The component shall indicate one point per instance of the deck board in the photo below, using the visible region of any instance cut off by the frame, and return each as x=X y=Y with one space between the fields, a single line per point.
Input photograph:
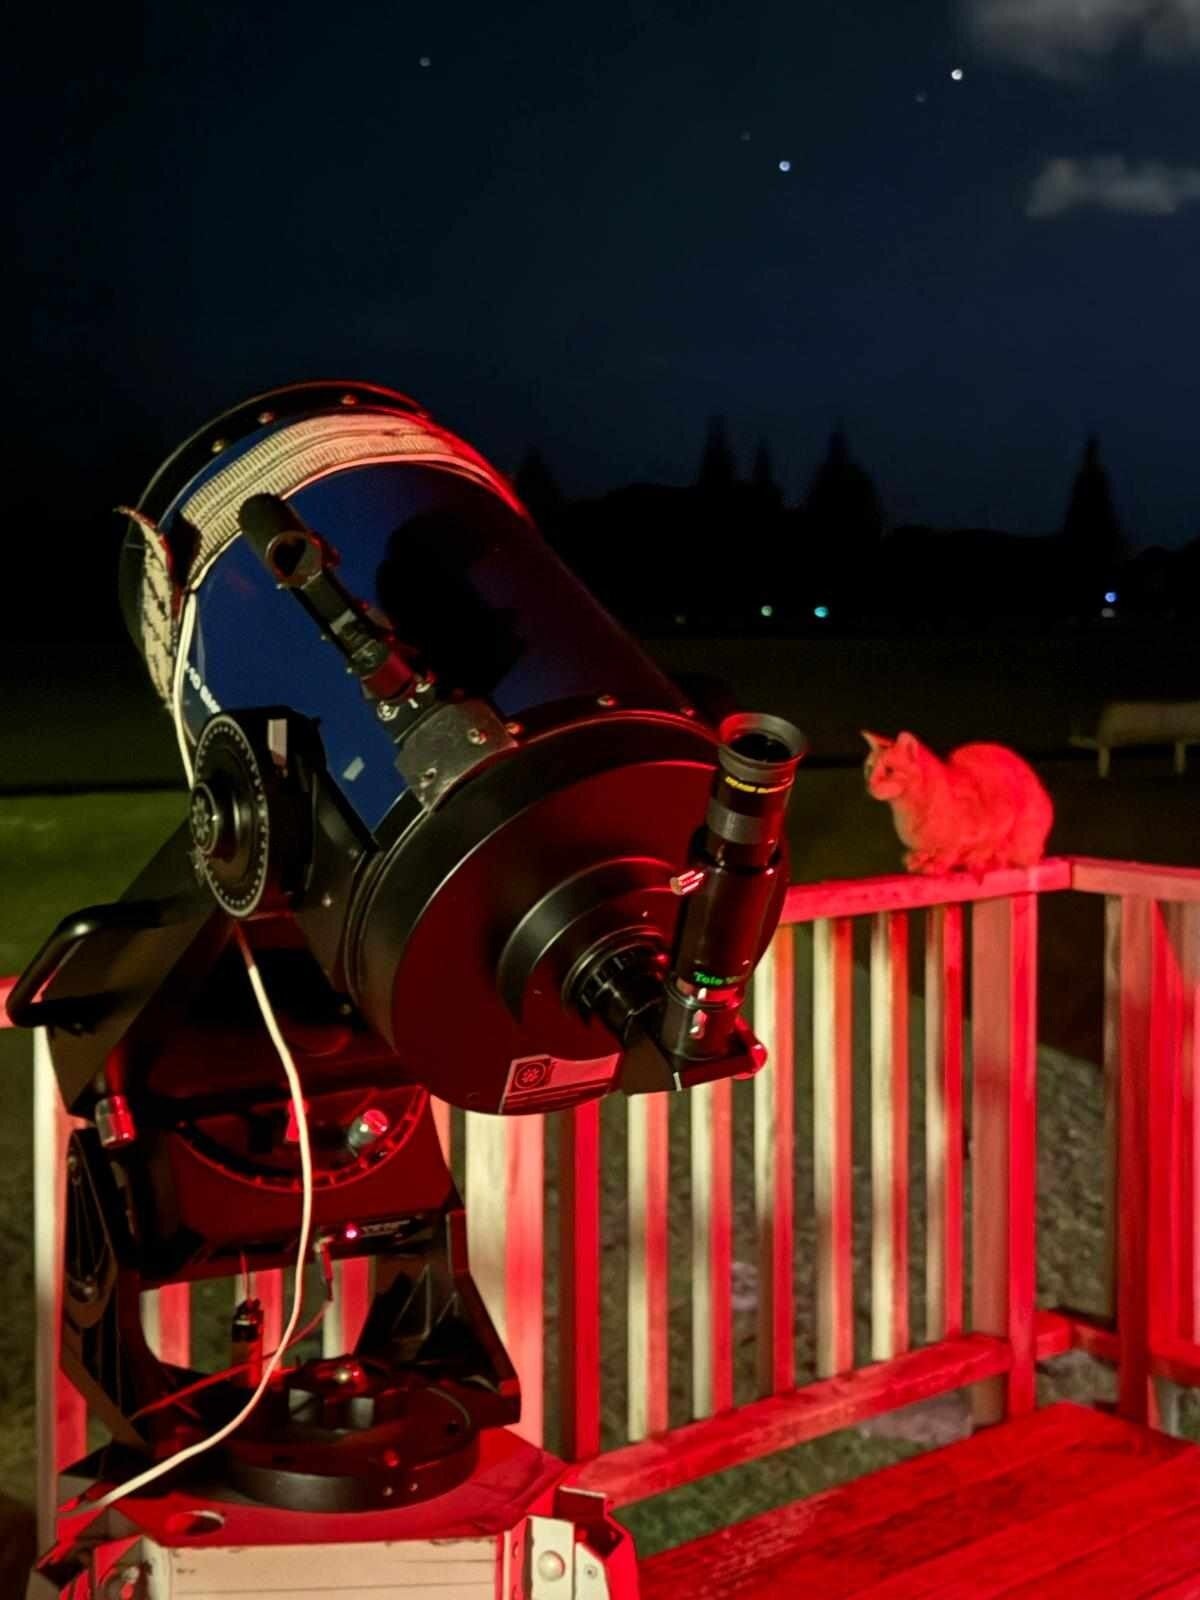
x=856 y=1505
x=1167 y=1552
x=987 y=1517
x=1034 y=1550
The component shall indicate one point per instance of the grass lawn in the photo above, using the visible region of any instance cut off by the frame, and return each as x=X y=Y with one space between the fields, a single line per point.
x=57 y=853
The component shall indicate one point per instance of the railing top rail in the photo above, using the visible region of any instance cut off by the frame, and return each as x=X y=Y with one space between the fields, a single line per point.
x=1146 y=879
x=761 y=1427
x=852 y=897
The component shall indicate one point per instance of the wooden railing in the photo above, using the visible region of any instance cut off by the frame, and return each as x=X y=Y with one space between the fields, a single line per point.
x=997 y=1355
x=978 y=1072
x=1151 y=1331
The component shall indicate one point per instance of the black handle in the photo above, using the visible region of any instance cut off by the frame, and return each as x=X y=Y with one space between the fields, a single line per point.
x=24 y=1009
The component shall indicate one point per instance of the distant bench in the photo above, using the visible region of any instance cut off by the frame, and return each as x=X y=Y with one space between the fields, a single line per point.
x=1128 y=722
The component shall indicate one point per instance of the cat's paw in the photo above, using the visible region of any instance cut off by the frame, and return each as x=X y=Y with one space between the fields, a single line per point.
x=930 y=863
x=979 y=863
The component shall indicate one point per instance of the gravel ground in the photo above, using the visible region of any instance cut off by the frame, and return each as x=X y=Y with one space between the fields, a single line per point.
x=59 y=852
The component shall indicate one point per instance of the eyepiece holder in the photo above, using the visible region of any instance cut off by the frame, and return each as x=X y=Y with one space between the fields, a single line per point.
x=679 y=1016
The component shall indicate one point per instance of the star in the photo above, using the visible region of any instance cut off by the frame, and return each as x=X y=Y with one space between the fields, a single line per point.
x=785 y=166
x=957 y=74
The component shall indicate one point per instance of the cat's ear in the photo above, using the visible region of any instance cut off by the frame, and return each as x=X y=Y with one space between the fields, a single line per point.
x=906 y=744
x=875 y=740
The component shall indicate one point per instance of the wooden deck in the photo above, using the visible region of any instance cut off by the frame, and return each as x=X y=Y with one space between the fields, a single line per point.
x=1064 y=1502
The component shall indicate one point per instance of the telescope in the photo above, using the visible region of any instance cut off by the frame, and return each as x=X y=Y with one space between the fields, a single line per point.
x=471 y=842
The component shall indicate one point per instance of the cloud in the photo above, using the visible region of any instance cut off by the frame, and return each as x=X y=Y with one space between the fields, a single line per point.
x=1110 y=183
x=1063 y=38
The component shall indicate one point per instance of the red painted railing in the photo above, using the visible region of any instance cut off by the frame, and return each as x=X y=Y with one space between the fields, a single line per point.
x=979 y=1057
x=997 y=1355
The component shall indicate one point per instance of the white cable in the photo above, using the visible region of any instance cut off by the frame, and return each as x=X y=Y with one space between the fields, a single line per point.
x=183 y=649
x=306 y=1180
x=271 y=1366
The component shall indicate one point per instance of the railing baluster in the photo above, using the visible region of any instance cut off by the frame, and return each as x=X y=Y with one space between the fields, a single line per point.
x=1112 y=1110
x=711 y=1108
x=1166 y=1151
x=505 y=1223
x=267 y=1289
x=889 y=1135
x=649 y=1289
x=167 y=1323
x=833 y=1021
x=1189 y=1122
x=1143 y=1044
x=441 y=1121
x=774 y=1155
x=944 y=1123
x=1003 y=1142
x=61 y=1413
x=579 y=1280
x=352 y=1291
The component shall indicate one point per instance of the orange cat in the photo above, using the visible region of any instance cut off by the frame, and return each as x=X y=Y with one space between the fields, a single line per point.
x=983 y=807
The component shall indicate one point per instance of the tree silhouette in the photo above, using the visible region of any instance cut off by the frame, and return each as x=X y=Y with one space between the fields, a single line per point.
x=766 y=490
x=1091 y=540
x=718 y=469
x=843 y=520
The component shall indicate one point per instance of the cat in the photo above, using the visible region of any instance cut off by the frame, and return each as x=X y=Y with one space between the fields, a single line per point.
x=981 y=808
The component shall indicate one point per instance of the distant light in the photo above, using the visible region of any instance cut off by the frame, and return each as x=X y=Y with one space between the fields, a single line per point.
x=746 y=137
x=680 y=620
x=766 y=611
x=1108 y=611
x=920 y=97
x=351 y=1232
x=785 y=166
x=957 y=74
x=425 y=61
x=821 y=612
x=1111 y=597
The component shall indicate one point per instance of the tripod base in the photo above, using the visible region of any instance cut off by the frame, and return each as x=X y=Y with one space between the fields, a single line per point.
x=512 y=1531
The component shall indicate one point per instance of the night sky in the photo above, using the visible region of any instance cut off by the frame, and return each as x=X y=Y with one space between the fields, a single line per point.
x=570 y=225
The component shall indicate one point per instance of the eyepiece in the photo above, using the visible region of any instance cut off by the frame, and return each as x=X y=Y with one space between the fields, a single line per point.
x=756 y=767
x=760 y=749
x=739 y=862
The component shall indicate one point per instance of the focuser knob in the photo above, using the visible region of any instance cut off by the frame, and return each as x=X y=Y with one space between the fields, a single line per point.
x=251 y=808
